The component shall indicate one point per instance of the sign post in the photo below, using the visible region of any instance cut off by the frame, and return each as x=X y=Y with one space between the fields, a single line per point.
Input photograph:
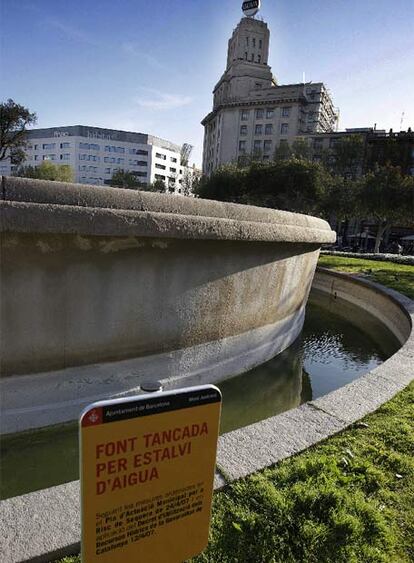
x=147 y=470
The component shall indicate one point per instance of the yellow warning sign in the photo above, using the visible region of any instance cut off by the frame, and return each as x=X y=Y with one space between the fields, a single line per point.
x=147 y=471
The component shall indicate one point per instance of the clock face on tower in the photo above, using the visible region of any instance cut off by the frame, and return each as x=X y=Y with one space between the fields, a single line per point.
x=251 y=7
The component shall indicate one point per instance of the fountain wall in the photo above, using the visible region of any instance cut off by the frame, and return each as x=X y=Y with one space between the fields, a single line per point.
x=92 y=275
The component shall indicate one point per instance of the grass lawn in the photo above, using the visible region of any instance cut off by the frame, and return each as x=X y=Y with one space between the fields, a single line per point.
x=397 y=276
x=349 y=499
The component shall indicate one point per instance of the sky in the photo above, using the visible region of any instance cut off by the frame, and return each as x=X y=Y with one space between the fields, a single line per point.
x=150 y=66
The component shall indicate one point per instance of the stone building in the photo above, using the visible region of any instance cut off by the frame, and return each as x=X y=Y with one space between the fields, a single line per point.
x=252 y=113
x=397 y=148
x=95 y=154
x=378 y=147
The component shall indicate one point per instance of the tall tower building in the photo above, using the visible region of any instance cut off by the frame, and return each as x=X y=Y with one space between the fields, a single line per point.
x=247 y=68
x=251 y=113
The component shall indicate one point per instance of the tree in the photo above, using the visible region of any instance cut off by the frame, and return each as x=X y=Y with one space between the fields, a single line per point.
x=225 y=184
x=394 y=149
x=126 y=180
x=157 y=186
x=190 y=181
x=293 y=185
x=388 y=197
x=342 y=203
x=47 y=171
x=185 y=154
x=14 y=118
x=282 y=152
x=347 y=156
x=301 y=149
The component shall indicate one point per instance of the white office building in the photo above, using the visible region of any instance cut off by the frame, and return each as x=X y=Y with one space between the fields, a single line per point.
x=95 y=154
x=252 y=113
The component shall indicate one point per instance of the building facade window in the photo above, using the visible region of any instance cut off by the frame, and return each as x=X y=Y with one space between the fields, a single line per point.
x=269 y=129
x=270 y=112
x=160 y=166
x=317 y=144
x=65 y=145
x=259 y=59
x=258 y=130
x=107 y=170
x=260 y=43
x=243 y=130
x=65 y=157
x=259 y=113
x=286 y=112
x=48 y=146
x=173 y=170
x=257 y=147
x=142 y=163
x=267 y=146
x=173 y=159
x=244 y=114
x=254 y=41
x=242 y=146
x=142 y=152
x=284 y=128
x=162 y=156
x=49 y=157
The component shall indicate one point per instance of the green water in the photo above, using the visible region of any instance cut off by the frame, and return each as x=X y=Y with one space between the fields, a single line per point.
x=338 y=344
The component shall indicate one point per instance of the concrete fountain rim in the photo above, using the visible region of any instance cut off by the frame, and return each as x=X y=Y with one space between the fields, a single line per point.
x=39 y=206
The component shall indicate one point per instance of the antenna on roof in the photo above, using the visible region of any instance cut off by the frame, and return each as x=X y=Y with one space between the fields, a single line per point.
x=402 y=119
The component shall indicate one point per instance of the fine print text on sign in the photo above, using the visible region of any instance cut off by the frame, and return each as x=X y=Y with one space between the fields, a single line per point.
x=147 y=472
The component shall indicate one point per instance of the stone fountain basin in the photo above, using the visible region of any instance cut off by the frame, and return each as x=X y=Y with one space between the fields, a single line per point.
x=32 y=528
x=104 y=287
